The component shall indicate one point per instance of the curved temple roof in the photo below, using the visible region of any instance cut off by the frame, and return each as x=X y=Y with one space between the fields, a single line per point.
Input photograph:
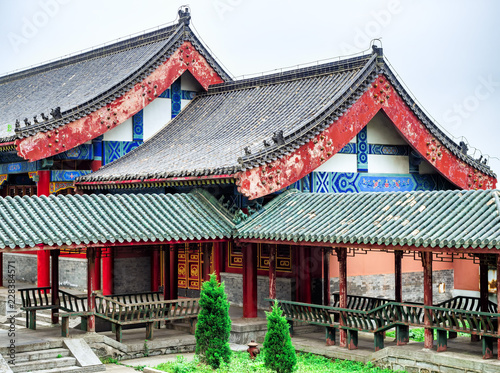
x=415 y=219
x=83 y=83
x=240 y=125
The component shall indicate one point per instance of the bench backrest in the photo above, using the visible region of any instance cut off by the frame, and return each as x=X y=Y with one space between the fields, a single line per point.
x=35 y=297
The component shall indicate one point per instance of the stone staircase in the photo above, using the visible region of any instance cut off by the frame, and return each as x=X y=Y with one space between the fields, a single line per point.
x=58 y=356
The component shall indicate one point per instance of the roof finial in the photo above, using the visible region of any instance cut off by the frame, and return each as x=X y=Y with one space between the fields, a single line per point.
x=184 y=15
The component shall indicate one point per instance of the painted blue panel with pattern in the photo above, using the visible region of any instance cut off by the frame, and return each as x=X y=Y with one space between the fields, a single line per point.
x=138 y=126
x=84 y=151
x=350 y=148
x=388 y=149
x=67 y=175
x=176 y=97
x=350 y=182
x=19 y=167
x=115 y=149
x=165 y=93
x=188 y=95
x=362 y=150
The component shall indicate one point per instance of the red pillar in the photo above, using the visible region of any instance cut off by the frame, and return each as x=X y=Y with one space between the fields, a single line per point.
x=166 y=273
x=95 y=165
x=155 y=270
x=107 y=271
x=250 y=280
x=272 y=271
x=217 y=251
x=1 y=269
x=90 y=288
x=207 y=253
x=97 y=270
x=427 y=264
x=498 y=303
x=326 y=277
x=305 y=274
x=43 y=256
x=55 y=284
x=174 y=269
x=342 y=258
x=483 y=283
x=398 y=274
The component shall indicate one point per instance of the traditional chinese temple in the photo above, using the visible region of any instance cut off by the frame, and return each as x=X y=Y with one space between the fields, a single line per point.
x=266 y=181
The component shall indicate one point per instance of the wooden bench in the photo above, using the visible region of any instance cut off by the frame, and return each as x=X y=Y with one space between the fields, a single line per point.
x=35 y=299
x=395 y=315
x=121 y=313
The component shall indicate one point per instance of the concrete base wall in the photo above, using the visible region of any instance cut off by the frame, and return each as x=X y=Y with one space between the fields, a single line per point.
x=234 y=285
x=383 y=285
x=130 y=274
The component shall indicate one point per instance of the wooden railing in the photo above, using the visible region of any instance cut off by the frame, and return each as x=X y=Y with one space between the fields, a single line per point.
x=34 y=299
x=120 y=313
x=393 y=314
x=154 y=296
x=72 y=303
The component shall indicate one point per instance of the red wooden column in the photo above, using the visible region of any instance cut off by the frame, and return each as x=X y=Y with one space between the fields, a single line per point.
x=1 y=269
x=249 y=280
x=173 y=272
x=166 y=273
x=207 y=254
x=43 y=256
x=97 y=270
x=272 y=271
x=305 y=274
x=90 y=288
x=55 y=284
x=342 y=258
x=483 y=283
x=326 y=277
x=498 y=303
x=427 y=266
x=217 y=251
x=155 y=270
x=107 y=271
x=398 y=276
x=483 y=301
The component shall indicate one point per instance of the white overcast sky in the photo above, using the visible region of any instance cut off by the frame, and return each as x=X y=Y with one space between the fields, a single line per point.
x=447 y=51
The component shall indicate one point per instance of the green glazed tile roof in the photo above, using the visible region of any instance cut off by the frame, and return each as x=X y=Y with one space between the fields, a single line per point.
x=444 y=219
x=98 y=218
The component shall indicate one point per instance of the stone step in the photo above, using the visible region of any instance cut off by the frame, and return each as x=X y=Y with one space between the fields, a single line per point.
x=35 y=366
x=27 y=347
x=53 y=353
x=61 y=370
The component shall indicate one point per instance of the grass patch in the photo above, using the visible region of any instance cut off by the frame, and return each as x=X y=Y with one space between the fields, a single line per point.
x=417 y=334
x=240 y=362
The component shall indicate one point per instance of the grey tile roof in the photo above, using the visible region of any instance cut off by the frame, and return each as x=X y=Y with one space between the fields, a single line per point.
x=98 y=218
x=209 y=137
x=85 y=82
x=445 y=219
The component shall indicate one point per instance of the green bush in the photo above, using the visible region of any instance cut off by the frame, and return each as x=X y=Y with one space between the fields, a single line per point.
x=279 y=353
x=214 y=324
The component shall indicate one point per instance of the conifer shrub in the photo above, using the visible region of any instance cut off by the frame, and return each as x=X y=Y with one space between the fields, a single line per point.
x=214 y=325
x=279 y=354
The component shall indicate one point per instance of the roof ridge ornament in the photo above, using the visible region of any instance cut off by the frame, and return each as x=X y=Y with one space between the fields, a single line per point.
x=184 y=15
